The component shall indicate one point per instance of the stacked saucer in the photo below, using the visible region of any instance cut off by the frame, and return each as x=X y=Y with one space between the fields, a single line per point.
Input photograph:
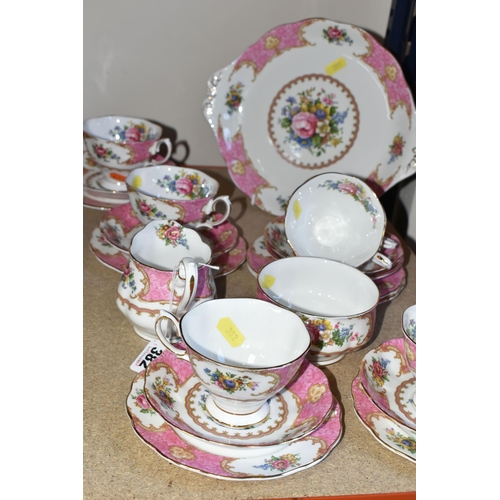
x=95 y=195
x=167 y=409
x=384 y=398
x=273 y=245
x=110 y=242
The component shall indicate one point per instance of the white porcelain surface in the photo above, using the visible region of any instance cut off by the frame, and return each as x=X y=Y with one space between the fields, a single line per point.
x=228 y=344
x=337 y=217
x=389 y=382
x=308 y=97
x=163 y=244
x=272 y=462
x=176 y=393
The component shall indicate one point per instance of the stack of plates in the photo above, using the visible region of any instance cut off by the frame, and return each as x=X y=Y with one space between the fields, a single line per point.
x=94 y=195
x=383 y=397
x=273 y=245
x=167 y=409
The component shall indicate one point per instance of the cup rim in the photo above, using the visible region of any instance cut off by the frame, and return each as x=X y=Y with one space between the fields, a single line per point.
x=87 y=121
x=245 y=368
x=133 y=173
x=312 y=315
x=354 y=179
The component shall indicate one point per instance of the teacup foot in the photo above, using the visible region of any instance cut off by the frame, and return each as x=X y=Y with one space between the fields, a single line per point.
x=323 y=361
x=233 y=419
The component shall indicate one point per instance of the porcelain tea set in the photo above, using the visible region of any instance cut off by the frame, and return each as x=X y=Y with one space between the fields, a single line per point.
x=240 y=382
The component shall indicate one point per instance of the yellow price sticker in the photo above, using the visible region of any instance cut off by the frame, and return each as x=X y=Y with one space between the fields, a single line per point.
x=335 y=66
x=268 y=281
x=297 y=209
x=136 y=182
x=230 y=332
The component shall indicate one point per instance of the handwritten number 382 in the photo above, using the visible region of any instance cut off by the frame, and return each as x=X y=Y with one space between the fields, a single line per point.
x=153 y=354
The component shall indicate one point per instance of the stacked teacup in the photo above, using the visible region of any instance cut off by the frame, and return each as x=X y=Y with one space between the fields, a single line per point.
x=330 y=246
x=119 y=144
x=170 y=257
x=235 y=393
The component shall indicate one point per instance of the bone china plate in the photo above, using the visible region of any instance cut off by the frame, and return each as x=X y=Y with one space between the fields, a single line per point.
x=294 y=457
x=310 y=97
x=175 y=392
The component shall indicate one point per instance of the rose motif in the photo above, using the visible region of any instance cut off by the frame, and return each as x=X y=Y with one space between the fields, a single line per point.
x=144 y=207
x=184 y=185
x=173 y=233
x=379 y=373
x=334 y=33
x=142 y=401
x=100 y=151
x=304 y=124
x=281 y=464
x=133 y=134
x=348 y=188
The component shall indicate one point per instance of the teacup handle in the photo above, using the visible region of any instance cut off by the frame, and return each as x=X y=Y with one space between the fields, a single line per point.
x=210 y=208
x=190 y=268
x=158 y=144
x=382 y=260
x=389 y=243
x=162 y=335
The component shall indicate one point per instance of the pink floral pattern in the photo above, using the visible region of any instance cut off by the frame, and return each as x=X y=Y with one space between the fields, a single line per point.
x=273 y=44
x=389 y=73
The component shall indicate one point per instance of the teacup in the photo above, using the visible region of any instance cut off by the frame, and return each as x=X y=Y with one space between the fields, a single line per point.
x=243 y=350
x=118 y=144
x=176 y=193
x=336 y=302
x=338 y=217
x=168 y=268
x=409 y=327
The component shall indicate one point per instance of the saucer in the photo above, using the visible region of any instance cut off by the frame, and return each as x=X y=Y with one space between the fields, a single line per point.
x=388 y=381
x=176 y=393
x=392 y=435
x=106 y=253
x=97 y=204
x=258 y=255
x=114 y=258
x=392 y=285
x=231 y=260
x=120 y=225
x=271 y=463
x=275 y=238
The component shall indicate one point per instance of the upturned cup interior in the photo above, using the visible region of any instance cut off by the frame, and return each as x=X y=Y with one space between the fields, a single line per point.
x=335 y=216
x=245 y=333
x=317 y=286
